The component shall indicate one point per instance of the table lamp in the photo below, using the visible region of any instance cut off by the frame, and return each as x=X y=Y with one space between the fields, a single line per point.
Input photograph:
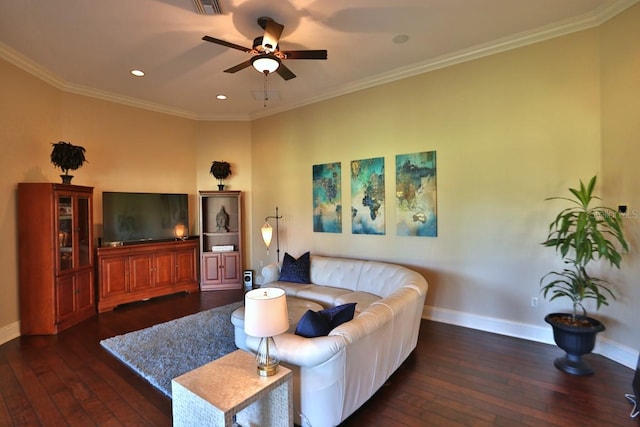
x=265 y=315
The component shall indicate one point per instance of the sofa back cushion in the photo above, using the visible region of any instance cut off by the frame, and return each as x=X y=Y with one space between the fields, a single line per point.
x=383 y=279
x=337 y=272
x=374 y=277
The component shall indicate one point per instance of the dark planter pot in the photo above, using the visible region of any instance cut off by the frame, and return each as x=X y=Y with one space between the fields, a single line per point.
x=220 y=187
x=66 y=179
x=575 y=341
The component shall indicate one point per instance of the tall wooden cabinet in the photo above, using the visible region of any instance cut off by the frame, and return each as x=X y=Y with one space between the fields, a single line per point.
x=55 y=252
x=221 y=253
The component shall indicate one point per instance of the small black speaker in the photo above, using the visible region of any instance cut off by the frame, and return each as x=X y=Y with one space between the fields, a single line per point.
x=247 y=278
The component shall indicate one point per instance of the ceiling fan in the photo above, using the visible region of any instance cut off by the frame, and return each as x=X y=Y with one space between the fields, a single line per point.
x=266 y=55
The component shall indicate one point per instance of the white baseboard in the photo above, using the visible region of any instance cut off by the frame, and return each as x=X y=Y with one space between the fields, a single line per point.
x=9 y=332
x=607 y=348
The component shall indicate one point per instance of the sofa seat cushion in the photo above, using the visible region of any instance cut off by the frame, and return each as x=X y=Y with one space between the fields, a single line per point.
x=328 y=296
x=291 y=289
x=296 y=308
x=325 y=295
x=362 y=299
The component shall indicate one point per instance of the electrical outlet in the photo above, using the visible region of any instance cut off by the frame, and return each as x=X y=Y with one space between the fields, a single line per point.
x=534 y=301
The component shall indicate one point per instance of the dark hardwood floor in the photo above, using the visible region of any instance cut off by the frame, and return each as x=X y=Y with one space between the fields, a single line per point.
x=456 y=377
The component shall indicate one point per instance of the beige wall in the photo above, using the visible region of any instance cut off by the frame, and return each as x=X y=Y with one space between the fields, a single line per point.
x=620 y=58
x=128 y=149
x=499 y=126
x=509 y=130
x=231 y=142
x=29 y=119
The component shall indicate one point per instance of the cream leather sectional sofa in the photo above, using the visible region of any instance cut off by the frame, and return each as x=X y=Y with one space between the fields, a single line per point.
x=335 y=374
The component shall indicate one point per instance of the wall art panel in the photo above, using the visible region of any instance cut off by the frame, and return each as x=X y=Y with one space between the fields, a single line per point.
x=367 y=196
x=327 y=198
x=416 y=191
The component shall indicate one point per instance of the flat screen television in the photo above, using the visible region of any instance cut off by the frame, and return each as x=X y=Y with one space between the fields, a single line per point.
x=140 y=217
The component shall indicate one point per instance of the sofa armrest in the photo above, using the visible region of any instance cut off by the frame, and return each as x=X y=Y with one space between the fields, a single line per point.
x=300 y=351
x=270 y=273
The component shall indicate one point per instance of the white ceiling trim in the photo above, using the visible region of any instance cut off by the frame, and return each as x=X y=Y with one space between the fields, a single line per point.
x=583 y=22
x=47 y=76
x=515 y=41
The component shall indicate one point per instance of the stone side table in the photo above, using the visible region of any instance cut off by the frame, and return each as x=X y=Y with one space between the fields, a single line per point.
x=230 y=386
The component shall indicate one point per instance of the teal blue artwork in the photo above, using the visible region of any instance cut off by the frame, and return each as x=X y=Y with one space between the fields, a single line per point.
x=416 y=191
x=327 y=198
x=367 y=196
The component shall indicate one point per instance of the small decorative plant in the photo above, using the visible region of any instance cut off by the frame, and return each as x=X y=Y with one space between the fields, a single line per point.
x=583 y=233
x=220 y=170
x=67 y=156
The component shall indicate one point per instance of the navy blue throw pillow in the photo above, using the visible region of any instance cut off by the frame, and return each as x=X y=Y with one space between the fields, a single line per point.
x=312 y=324
x=296 y=270
x=319 y=323
x=339 y=314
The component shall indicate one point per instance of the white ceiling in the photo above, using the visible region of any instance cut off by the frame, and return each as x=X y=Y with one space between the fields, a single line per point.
x=88 y=47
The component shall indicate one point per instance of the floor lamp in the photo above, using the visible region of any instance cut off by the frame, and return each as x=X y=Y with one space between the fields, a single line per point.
x=267 y=233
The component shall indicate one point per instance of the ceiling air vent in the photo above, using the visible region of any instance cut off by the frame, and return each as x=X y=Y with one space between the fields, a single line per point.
x=208 y=7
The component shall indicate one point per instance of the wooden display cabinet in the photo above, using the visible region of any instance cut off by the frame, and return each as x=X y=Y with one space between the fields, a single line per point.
x=55 y=247
x=220 y=240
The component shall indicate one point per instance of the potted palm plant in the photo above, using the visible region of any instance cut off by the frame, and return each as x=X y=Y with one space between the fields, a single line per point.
x=581 y=234
x=220 y=170
x=67 y=157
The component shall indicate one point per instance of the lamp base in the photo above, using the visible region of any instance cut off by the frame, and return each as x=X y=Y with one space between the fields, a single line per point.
x=267 y=370
x=266 y=358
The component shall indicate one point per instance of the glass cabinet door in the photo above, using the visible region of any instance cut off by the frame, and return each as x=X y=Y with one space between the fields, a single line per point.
x=74 y=231
x=83 y=227
x=65 y=232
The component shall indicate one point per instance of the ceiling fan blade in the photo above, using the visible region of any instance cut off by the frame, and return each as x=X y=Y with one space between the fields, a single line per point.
x=304 y=54
x=285 y=73
x=272 y=33
x=227 y=44
x=238 y=67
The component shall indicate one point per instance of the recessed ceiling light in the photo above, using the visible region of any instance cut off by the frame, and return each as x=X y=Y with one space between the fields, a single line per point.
x=221 y=97
x=400 y=38
x=137 y=73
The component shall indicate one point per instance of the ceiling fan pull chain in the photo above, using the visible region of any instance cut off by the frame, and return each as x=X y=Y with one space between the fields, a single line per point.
x=266 y=94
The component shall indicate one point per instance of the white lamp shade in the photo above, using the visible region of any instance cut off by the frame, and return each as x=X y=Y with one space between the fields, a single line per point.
x=265 y=63
x=265 y=312
x=267 y=233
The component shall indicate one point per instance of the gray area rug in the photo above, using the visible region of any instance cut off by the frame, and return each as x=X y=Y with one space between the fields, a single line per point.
x=168 y=350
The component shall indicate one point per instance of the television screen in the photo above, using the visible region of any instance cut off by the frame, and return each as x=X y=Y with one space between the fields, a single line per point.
x=136 y=217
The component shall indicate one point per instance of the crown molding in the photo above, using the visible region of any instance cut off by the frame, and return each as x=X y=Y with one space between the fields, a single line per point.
x=52 y=79
x=558 y=29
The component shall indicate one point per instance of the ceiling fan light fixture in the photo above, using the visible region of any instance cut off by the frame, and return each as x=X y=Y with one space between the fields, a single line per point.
x=266 y=63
